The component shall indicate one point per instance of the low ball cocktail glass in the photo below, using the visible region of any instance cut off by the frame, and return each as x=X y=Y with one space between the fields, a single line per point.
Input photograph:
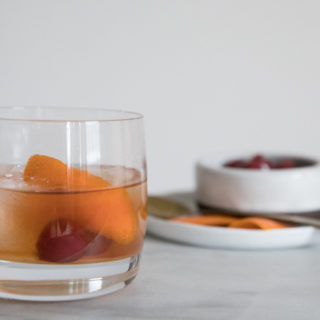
x=72 y=201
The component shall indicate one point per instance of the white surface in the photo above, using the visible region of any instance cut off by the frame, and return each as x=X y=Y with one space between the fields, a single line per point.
x=207 y=74
x=294 y=190
x=227 y=238
x=182 y=282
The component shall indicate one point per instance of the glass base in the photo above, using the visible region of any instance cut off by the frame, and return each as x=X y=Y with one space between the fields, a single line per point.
x=36 y=282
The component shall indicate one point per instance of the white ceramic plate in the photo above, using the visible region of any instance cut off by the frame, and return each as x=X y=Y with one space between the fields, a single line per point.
x=225 y=238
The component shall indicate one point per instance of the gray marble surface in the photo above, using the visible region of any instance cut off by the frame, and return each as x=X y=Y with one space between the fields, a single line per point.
x=181 y=282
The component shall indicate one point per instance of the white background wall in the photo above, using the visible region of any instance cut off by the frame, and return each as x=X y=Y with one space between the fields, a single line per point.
x=208 y=75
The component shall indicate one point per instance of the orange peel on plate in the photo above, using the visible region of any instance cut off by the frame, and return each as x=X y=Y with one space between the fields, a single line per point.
x=207 y=220
x=232 y=222
x=257 y=223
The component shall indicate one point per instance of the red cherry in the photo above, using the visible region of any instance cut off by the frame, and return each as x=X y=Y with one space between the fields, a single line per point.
x=259 y=162
x=61 y=241
x=286 y=164
x=236 y=164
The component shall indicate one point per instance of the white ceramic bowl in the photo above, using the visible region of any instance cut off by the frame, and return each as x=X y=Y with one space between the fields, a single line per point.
x=295 y=190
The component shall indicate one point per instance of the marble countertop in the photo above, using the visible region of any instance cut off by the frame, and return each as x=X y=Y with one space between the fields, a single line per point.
x=181 y=282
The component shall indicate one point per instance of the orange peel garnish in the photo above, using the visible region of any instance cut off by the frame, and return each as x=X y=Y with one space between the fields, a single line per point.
x=108 y=211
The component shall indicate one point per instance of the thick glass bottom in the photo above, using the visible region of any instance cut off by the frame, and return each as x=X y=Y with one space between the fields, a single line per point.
x=36 y=282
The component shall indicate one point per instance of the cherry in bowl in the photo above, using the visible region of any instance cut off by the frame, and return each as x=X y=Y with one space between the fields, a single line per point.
x=261 y=162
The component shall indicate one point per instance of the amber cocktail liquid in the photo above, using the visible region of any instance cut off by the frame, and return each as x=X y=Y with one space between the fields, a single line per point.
x=61 y=226
x=69 y=230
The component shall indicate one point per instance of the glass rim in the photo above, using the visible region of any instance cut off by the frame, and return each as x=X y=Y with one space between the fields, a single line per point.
x=121 y=114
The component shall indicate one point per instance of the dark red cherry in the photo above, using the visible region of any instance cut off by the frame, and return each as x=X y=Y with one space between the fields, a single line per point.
x=286 y=164
x=236 y=164
x=61 y=241
x=259 y=162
